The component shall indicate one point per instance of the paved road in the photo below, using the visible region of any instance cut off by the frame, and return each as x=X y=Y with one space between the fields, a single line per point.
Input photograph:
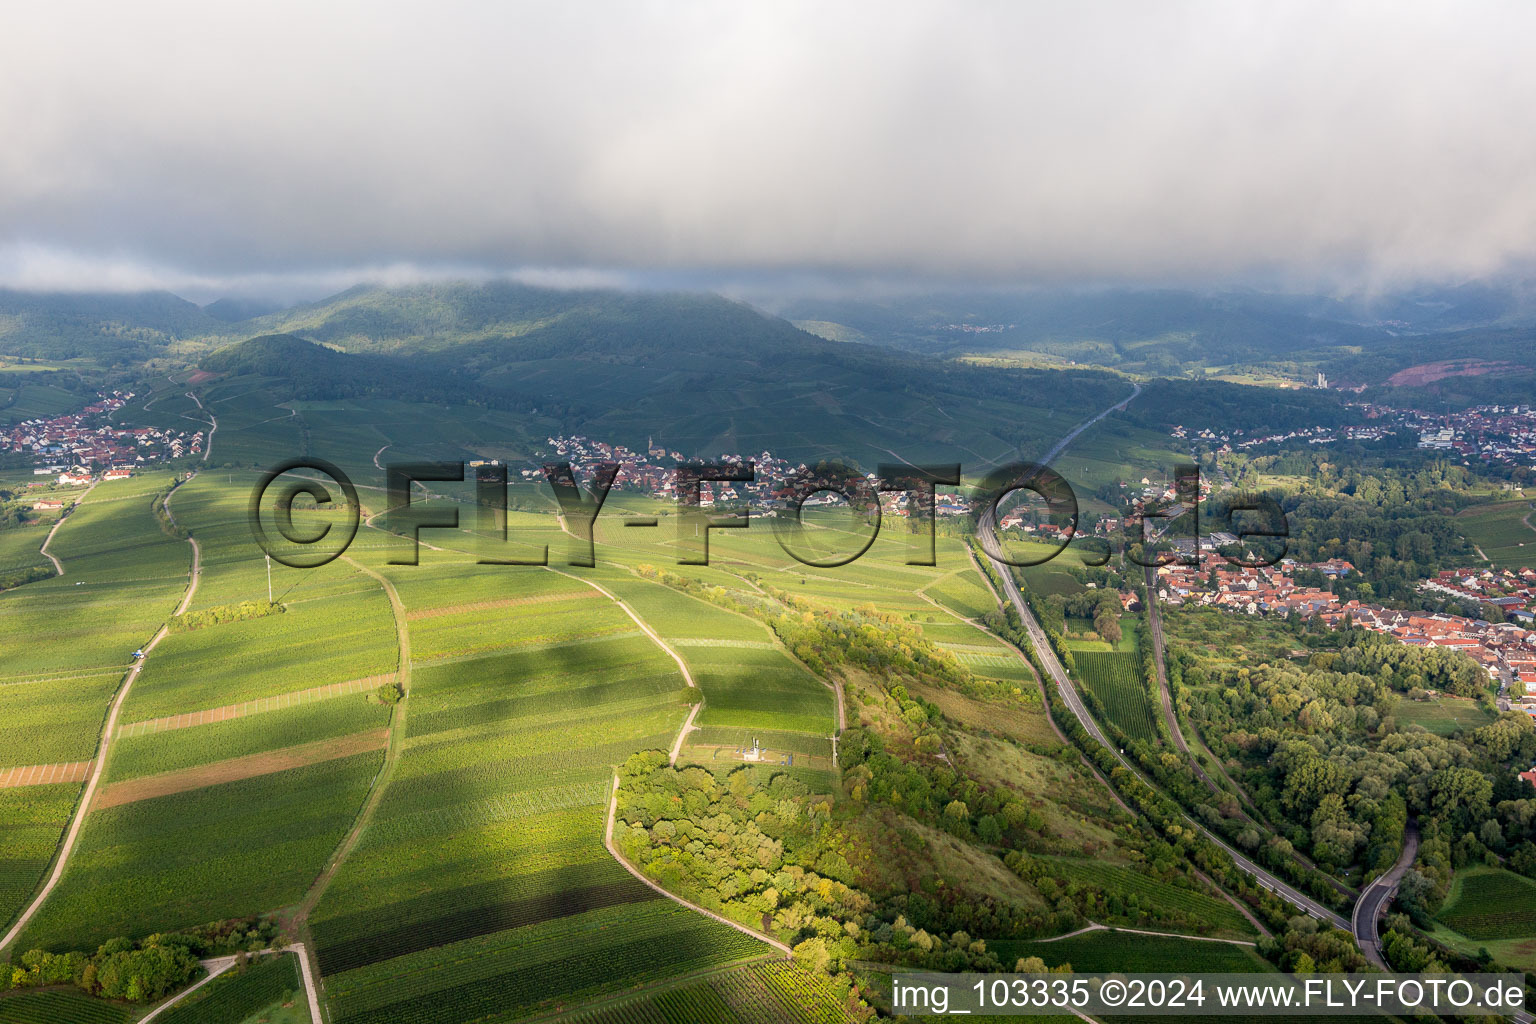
x=1366 y=920
x=986 y=534
x=1155 y=621
x=1042 y=646
x=1265 y=879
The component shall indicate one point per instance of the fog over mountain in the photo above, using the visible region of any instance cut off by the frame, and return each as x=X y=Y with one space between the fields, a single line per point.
x=290 y=150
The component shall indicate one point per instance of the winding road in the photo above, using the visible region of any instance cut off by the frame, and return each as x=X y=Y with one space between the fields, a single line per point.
x=1364 y=924
x=1159 y=660
x=682 y=666
x=1366 y=920
x=213 y=425
x=987 y=534
x=58 y=566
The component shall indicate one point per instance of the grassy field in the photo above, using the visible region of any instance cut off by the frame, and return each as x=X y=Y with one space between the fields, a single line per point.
x=1442 y=715
x=1019 y=719
x=130 y=576
x=20 y=547
x=1201 y=912
x=1502 y=532
x=64 y=650
x=346 y=636
x=22 y=399
x=481 y=866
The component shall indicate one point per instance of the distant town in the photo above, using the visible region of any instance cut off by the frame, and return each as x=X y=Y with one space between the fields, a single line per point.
x=77 y=447
x=655 y=474
x=1492 y=434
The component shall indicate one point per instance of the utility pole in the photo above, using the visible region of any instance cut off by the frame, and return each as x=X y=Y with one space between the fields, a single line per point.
x=269 y=579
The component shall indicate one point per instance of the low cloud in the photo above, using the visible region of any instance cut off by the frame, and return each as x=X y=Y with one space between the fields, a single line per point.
x=200 y=146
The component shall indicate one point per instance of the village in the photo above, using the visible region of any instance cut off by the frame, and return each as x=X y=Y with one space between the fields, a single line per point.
x=1491 y=434
x=655 y=474
x=1505 y=650
x=76 y=447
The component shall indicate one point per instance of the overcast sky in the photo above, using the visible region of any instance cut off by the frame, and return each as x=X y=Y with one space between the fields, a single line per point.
x=207 y=146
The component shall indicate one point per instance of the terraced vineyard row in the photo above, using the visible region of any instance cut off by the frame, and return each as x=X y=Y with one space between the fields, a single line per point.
x=441 y=918
x=32 y=821
x=506 y=975
x=59 y=1007
x=240 y=994
x=228 y=850
x=1114 y=677
x=481 y=889
x=771 y=992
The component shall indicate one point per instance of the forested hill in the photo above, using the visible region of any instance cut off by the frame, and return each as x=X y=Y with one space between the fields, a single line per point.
x=698 y=373
x=109 y=328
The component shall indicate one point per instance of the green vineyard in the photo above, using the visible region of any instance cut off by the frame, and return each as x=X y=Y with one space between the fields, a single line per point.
x=771 y=992
x=59 y=1007
x=238 y=995
x=1114 y=677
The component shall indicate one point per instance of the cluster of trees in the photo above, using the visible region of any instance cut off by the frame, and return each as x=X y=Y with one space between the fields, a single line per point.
x=1306 y=947
x=766 y=855
x=773 y=855
x=930 y=791
x=1224 y=407
x=13 y=511
x=826 y=639
x=1102 y=606
x=226 y=613
x=1393 y=523
x=138 y=972
x=1321 y=751
x=142 y=970
x=1185 y=842
x=19 y=577
x=1221 y=813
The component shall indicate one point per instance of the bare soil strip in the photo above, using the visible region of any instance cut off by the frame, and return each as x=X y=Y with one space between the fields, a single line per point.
x=235 y=769
x=255 y=707
x=44 y=774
